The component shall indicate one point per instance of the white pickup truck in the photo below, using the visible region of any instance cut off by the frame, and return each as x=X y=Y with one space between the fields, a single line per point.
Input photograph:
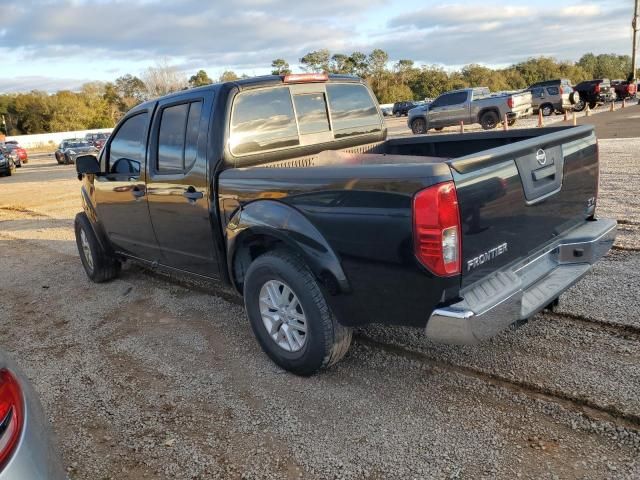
x=470 y=105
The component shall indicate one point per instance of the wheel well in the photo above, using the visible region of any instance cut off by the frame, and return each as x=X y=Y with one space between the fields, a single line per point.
x=254 y=246
x=489 y=110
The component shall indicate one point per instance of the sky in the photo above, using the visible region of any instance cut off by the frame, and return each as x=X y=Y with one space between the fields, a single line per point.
x=61 y=44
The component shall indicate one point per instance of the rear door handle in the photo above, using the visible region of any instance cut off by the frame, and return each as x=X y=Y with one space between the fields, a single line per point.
x=192 y=194
x=138 y=192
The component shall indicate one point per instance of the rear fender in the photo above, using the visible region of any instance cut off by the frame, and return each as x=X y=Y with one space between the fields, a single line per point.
x=262 y=223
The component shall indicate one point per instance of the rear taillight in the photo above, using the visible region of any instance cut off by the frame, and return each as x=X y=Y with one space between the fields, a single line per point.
x=11 y=415
x=561 y=91
x=510 y=102
x=597 y=88
x=436 y=229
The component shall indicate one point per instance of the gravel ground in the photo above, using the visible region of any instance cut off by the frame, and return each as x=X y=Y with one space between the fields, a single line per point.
x=145 y=378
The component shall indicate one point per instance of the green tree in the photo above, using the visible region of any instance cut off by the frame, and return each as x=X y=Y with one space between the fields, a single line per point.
x=280 y=67
x=200 y=79
x=228 y=76
x=317 y=61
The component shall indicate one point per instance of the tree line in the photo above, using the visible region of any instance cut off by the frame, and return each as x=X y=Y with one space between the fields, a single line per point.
x=102 y=104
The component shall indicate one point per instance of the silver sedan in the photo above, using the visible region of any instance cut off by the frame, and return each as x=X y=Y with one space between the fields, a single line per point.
x=27 y=449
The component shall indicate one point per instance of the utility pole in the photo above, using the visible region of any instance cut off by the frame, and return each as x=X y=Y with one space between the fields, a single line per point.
x=634 y=54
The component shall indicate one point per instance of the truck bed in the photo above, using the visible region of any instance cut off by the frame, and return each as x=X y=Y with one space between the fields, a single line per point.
x=511 y=205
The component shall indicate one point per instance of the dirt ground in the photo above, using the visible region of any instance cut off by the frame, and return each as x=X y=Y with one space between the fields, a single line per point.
x=151 y=377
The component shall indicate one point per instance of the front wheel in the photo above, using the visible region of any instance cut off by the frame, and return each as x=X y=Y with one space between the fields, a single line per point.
x=98 y=264
x=419 y=126
x=489 y=120
x=290 y=317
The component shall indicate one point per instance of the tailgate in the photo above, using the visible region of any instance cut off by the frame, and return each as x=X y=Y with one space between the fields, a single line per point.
x=517 y=198
x=521 y=101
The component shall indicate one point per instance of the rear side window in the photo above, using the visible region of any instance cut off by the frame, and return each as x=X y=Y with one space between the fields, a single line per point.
x=263 y=120
x=128 y=145
x=553 y=90
x=178 y=137
x=352 y=110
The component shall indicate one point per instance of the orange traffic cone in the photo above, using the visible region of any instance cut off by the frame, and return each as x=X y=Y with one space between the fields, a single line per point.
x=624 y=102
x=612 y=108
x=540 y=120
x=575 y=118
x=505 y=125
x=461 y=126
x=566 y=115
x=587 y=112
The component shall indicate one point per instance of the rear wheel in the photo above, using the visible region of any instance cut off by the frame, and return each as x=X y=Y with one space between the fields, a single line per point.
x=579 y=106
x=99 y=265
x=290 y=317
x=512 y=122
x=547 y=109
x=419 y=126
x=489 y=120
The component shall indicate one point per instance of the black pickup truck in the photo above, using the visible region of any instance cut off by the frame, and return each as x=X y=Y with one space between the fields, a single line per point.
x=287 y=189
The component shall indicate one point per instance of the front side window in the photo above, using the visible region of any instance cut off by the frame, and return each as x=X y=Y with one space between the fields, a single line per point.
x=352 y=110
x=263 y=120
x=129 y=143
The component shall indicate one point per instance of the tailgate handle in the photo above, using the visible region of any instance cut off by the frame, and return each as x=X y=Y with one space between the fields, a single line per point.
x=545 y=172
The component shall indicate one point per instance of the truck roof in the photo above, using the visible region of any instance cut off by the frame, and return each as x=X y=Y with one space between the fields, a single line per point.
x=244 y=84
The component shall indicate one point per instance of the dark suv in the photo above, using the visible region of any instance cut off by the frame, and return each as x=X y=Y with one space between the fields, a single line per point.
x=401 y=109
x=593 y=93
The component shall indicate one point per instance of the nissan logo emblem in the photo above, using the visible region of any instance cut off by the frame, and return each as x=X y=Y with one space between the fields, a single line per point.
x=541 y=157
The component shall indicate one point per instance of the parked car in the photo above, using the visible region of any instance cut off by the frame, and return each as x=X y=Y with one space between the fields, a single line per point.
x=7 y=164
x=469 y=105
x=27 y=447
x=99 y=142
x=594 y=93
x=624 y=89
x=553 y=96
x=71 y=148
x=19 y=152
x=93 y=138
x=322 y=224
x=9 y=152
x=401 y=109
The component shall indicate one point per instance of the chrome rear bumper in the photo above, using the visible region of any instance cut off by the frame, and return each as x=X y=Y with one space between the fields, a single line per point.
x=521 y=291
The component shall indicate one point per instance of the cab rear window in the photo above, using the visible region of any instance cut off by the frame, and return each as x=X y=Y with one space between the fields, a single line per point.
x=352 y=110
x=283 y=117
x=263 y=120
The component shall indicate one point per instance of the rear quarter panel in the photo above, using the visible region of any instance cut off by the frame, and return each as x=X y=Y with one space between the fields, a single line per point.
x=365 y=215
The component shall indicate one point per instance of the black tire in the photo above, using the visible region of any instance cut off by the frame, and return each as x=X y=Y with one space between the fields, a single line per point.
x=489 y=120
x=419 y=126
x=439 y=129
x=67 y=161
x=326 y=341
x=579 y=106
x=102 y=266
x=593 y=105
x=547 y=109
x=512 y=122
x=58 y=159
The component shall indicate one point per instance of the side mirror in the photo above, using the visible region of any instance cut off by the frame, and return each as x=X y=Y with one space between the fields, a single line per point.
x=87 y=164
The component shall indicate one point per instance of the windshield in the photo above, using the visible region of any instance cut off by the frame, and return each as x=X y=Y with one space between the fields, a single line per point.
x=76 y=144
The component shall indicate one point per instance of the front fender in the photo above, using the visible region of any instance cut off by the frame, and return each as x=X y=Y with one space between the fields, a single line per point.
x=284 y=223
